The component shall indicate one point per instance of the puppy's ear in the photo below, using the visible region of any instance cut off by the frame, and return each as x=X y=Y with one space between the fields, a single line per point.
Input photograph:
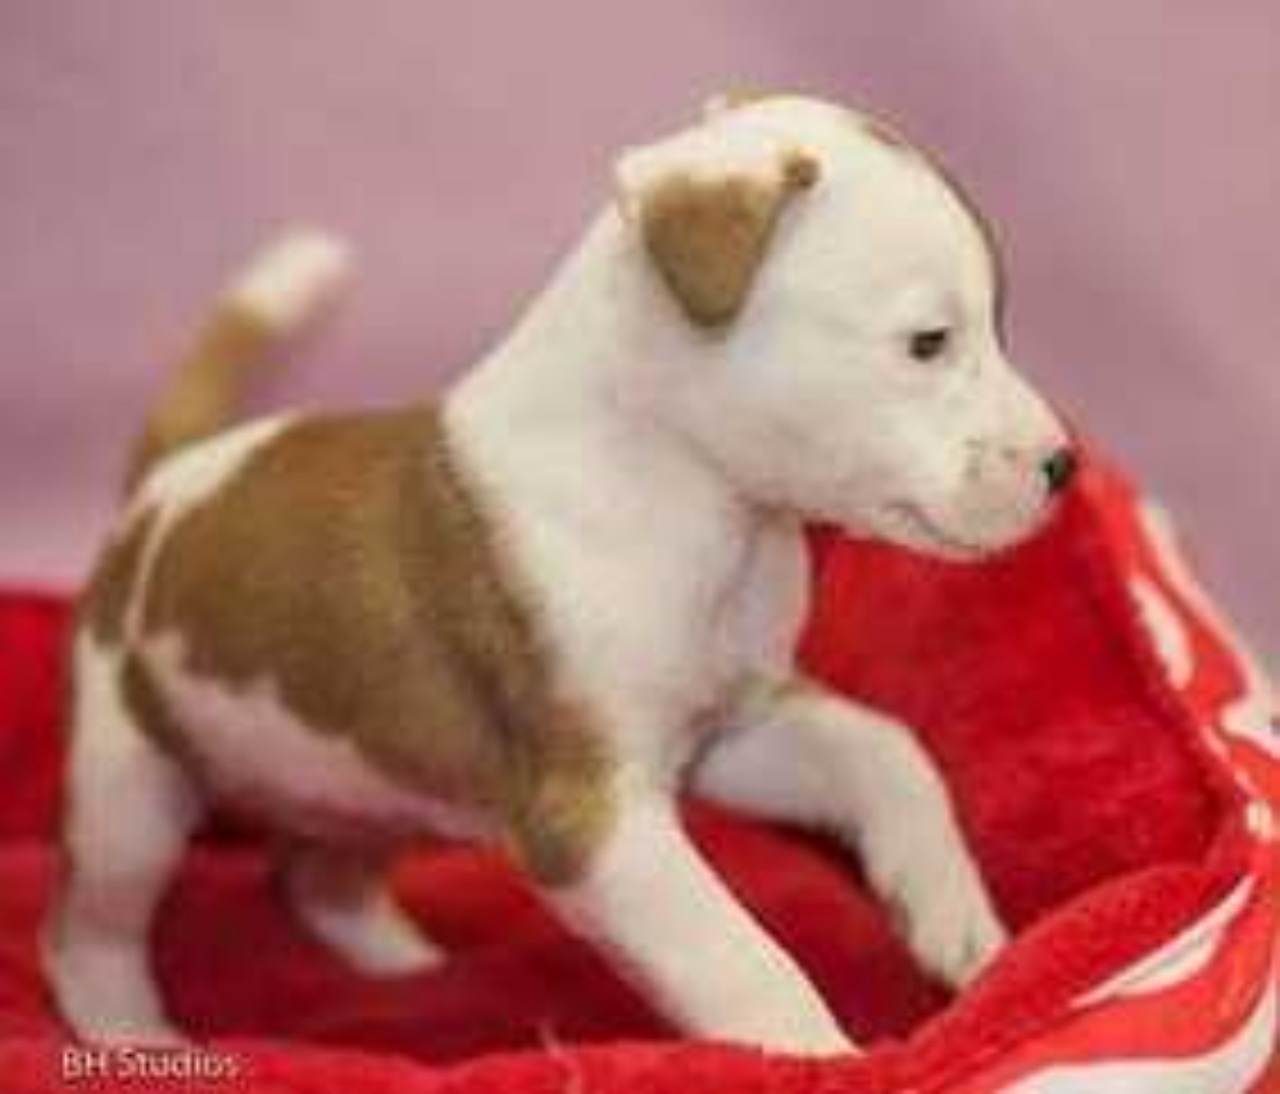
x=705 y=203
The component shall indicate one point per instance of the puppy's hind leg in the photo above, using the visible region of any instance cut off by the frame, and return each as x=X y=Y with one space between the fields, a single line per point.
x=345 y=902
x=130 y=810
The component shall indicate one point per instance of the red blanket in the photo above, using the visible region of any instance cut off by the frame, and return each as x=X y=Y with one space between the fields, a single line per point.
x=1100 y=818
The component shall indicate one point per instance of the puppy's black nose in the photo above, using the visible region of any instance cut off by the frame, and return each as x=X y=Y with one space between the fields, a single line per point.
x=1059 y=469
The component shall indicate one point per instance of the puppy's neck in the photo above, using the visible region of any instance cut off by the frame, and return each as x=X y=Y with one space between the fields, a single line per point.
x=585 y=372
x=589 y=335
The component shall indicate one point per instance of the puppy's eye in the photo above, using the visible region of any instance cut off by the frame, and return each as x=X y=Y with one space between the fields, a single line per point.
x=927 y=345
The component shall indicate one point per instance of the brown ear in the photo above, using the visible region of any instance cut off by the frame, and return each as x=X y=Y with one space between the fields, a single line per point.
x=707 y=233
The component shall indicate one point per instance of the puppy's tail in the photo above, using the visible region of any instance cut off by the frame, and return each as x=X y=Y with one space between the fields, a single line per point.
x=289 y=284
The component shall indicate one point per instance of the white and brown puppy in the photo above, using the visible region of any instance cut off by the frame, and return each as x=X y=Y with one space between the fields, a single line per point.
x=536 y=609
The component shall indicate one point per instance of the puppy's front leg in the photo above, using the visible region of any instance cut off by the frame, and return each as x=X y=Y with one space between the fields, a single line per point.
x=651 y=901
x=806 y=755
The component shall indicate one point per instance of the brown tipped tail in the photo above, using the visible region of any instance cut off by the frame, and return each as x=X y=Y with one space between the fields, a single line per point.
x=279 y=293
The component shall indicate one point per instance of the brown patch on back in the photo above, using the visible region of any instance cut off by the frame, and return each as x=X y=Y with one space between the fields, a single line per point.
x=349 y=564
x=708 y=238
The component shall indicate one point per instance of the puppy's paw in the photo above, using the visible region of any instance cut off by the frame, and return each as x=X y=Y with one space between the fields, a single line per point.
x=392 y=948
x=376 y=938
x=804 y=1031
x=108 y=1029
x=817 y=1044
x=952 y=929
x=160 y=1034
x=940 y=904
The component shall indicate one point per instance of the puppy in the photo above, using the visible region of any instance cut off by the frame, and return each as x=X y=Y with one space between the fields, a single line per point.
x=537 y=608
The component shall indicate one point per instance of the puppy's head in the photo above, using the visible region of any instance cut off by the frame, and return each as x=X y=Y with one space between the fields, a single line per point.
x=832 y=303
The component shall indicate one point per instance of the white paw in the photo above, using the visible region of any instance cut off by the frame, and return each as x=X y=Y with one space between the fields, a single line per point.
x=110 y=1031
x=105 y=993
x=394 y=947
x=954 y=932
x=377 y=938
x=820 y=1044
x=802 y=1031
x=941 y=905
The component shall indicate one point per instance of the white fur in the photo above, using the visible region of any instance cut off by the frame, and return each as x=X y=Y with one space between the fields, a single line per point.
x=129 y=807
x=347 y=903
x=130 y=810
x=182 y=481
x=658 y=908
x=651 y=479
x=292 y=281
x=252 y=748
x=805 y=756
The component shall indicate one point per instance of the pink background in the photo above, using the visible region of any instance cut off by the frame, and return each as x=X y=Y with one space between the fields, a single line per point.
x=1130 y=153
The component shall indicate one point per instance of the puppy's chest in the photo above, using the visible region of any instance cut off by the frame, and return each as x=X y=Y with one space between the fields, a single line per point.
x=754 y=619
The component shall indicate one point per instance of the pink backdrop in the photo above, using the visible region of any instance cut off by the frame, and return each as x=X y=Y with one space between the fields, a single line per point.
x=1130 y=152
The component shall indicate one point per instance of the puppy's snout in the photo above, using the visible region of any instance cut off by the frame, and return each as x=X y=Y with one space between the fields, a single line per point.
x=1059 y=469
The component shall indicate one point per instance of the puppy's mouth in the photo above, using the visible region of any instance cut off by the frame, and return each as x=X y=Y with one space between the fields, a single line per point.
x=919 y=525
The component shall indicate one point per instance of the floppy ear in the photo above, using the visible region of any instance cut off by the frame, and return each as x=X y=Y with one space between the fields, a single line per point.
x=705 y=204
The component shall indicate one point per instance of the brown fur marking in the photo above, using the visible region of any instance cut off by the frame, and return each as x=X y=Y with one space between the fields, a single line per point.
x=709 y=238
x=348 y=563
x=104 y=604
x=801 y=170
x=203 y=395
x=147 y=705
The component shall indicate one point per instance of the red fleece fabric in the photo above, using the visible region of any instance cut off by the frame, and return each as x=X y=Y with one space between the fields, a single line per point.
x=1091 y=803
